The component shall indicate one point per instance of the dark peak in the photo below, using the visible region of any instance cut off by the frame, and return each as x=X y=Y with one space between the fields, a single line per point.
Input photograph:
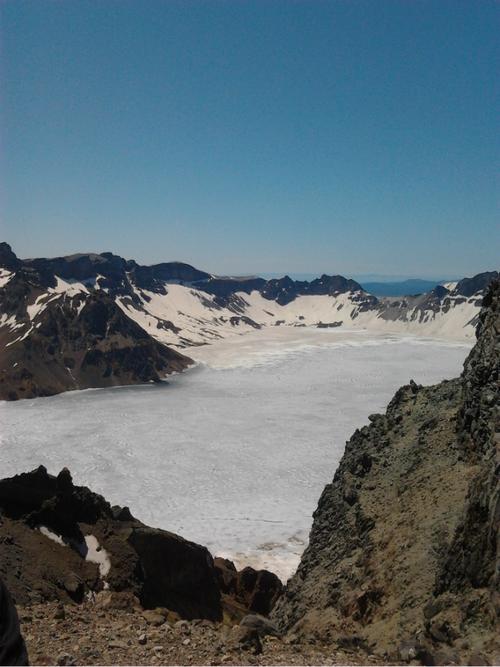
x=153 y=277
x=440 y=291
x=8 y=259
x=178 y=271
x=93 y=257
x=283 y=290
x=224 y=287
x=337 y=283
x=478 y=283
x=82 y=266
x=283 y=282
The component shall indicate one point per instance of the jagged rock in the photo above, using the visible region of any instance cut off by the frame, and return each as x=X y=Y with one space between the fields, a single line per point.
x=121 y=513
x=246 y=638
x=254 y=590
x=263 y=626
x=405 y=539
x=160 y=568
x=176 y=573
x=74 y=586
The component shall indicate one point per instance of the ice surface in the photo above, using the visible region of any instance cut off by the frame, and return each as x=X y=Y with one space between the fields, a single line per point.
x=234 y=453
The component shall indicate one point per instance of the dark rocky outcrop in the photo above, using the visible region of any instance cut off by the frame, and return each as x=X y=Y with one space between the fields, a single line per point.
x=478 y=283
x=157 y=568
x=248 y=589
x=284 y=290
x=467 y=589
x=86 y=341
x=403 y=557
x=160 y=568
x=176 y=574
x=8 y=259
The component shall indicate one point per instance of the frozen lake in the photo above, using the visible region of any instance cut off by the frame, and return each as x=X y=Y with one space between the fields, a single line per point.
x=234 y=453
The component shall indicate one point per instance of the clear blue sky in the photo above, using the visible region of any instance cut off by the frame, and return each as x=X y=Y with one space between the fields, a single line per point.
x=254 y=136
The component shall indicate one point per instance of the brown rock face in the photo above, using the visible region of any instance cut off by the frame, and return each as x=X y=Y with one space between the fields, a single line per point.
x=252 y=590
x=176 y=574
x=160 y=568
x=97 y=346
x=468 y=585
x=156 y=568
x=403 y=556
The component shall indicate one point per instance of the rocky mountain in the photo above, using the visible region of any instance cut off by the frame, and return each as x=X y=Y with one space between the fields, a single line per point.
x=97 y=320
x=55 y=339
x=404 y=551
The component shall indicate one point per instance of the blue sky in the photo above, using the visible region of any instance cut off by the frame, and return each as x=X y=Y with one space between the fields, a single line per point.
x=346 y=137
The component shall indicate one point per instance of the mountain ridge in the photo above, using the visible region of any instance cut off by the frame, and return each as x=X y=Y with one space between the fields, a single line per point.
x=157 y=312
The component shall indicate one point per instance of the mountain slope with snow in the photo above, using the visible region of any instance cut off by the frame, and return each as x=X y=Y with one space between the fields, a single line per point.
x=57 y=335
x=57 y=314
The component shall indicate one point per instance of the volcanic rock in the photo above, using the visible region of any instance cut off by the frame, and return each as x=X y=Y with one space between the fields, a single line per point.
x=404 y=549
x=255 y=590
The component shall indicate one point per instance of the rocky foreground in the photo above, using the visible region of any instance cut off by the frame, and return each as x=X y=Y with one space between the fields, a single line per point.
x=114 y=630
x=94 y=585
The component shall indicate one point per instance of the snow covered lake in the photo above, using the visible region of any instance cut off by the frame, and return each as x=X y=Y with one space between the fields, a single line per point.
x=234 y=453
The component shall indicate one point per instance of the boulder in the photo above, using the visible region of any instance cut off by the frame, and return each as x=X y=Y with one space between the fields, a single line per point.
x=176 y=573
x=263 y=626
x=254 y=590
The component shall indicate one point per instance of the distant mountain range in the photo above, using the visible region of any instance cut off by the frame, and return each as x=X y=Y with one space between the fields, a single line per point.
x=92 y=320
x=407 y=287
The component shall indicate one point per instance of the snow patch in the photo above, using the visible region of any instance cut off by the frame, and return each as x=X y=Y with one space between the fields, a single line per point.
x=198 y=318
x=96 y=554
x=5 y=277
x=68 y=287
x=52 y=536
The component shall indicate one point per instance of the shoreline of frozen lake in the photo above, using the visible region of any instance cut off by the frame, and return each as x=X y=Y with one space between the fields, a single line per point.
x=234 y=453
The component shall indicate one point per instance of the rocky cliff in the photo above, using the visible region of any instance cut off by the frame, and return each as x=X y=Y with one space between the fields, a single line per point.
x=403 y=557
x=61 y=542
x=54 y=339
